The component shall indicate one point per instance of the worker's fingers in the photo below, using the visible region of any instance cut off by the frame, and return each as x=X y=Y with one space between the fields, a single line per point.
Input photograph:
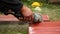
x=29 y=18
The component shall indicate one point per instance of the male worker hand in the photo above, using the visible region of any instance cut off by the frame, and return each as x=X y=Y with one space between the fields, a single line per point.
x=27 y=13
x=30 y=16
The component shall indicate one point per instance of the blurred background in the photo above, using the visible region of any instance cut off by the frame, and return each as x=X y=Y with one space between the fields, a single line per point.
x=48 y=7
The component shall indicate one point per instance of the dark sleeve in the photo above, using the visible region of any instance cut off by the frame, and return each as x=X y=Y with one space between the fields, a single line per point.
x=12 y=1
x=21 y=4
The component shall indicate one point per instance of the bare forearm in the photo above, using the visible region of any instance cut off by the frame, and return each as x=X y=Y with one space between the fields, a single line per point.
x=26 y=11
